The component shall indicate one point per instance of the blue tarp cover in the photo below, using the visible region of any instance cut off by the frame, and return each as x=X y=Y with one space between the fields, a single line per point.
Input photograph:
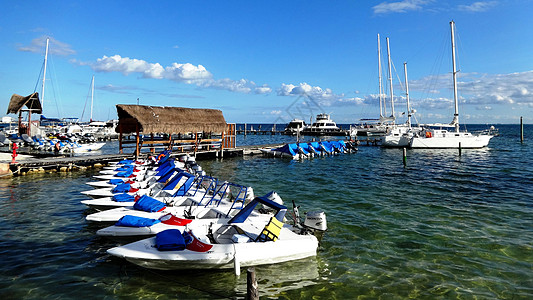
x=306 y=147
x=288 y=148
x=124 y=173
x=327 y=146
x=116 y=181
x=149 y=204
x=170 y=240
x=122 y=188
x=123 y=198
x=301 y=147
x=134 y=221
x=125 y=161
x=125 y=168
x=337 y=145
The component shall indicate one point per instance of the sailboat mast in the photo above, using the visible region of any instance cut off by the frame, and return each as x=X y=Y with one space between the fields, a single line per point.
x=92 y=97
x=44 y=72
x=407 y=95
x=456 y=114
x=390 y=81
x=380 y=81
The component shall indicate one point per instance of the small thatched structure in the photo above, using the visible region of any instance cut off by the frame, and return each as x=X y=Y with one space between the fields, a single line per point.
x=167 y=120
x=32 y=103
x=171 y=120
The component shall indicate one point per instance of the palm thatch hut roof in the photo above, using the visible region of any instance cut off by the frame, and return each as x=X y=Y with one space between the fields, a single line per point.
x=172 y=120
x=32 y=103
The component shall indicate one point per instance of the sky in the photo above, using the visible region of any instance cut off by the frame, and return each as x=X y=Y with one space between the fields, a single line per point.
x=271 y=61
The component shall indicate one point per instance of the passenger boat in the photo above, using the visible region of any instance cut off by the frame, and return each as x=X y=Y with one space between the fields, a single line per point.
x=323 y=126
x=242 y=241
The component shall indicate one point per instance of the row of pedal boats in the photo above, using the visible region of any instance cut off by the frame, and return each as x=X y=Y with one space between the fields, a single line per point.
x=181 y=218
x=301 y=150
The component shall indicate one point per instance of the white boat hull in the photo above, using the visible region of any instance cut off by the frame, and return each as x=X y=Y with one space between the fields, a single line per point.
x=451 y=140
x=395 y=141
x=288 y=247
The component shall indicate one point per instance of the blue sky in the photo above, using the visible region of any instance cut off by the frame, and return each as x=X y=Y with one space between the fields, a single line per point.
x=271 y=61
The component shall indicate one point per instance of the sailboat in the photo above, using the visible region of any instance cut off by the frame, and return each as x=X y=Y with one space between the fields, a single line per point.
x=378 y=127
x=400 y=135
x=79 y=148
x=442 y=138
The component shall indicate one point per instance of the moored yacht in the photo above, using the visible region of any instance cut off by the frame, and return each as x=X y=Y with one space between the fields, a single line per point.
x=323 y=126
x=294 y=127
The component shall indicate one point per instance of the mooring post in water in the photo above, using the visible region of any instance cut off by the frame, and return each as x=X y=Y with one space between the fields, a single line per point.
x=521 y=130
x=404 y=157
x=251 y=285
x=459 y=148
x=236 y=262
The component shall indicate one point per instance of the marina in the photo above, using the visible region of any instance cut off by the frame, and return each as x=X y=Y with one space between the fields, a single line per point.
x=205 y=164
x=470 y=218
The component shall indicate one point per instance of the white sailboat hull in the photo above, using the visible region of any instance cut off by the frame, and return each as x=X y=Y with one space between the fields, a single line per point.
x=451 y=140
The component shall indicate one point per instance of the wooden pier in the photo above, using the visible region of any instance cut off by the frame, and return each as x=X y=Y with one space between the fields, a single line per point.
x=57 y=163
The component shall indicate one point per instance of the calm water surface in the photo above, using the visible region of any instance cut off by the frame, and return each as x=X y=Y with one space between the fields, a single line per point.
x=444 y=227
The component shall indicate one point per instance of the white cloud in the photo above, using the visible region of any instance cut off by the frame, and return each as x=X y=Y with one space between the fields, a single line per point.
x=187 y=73
x=399 y=7
x=478 y=6
x=55 y=47
x=184 y=73
x=323 y=96
x=481 y=91
x=263 y=89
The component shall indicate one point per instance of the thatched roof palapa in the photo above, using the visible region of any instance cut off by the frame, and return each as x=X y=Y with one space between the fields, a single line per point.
x=32 y=103
x=172 y=120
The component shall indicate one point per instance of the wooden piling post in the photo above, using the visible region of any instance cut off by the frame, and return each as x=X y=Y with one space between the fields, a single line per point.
x=460 y=149
x=521 y=130
x=251 y=285
x=404 y=157
x=244 y=129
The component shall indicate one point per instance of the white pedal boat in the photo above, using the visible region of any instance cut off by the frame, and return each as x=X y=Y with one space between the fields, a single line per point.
x=188 y=187
x=113 y=182
x=172 y=197
x=183 y=206
x=151 y=186
x=199 y=217
x=241 y=242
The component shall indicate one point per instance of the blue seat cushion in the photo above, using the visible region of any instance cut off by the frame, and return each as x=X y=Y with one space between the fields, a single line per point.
x=149 y=204
x=123 y=198
x=122 y=188
x=170 y=240
x=133 y=221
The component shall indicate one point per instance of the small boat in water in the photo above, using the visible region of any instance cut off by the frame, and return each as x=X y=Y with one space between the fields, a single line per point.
x=295 y=127
x=242 y=241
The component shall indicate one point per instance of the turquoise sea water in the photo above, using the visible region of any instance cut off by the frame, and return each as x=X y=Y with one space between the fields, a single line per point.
x=446 y=226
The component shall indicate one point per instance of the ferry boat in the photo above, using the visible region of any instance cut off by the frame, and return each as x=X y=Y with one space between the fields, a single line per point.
x=323 y=126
